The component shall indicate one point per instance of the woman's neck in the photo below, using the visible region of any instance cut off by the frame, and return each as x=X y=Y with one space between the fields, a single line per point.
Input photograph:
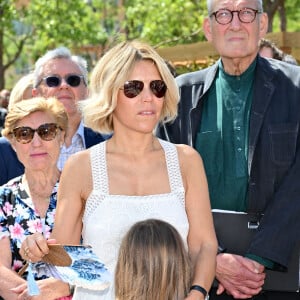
x=134 y=146
x=39 y=184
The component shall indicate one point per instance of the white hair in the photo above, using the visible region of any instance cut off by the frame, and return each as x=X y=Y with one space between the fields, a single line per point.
x=209 y=4
x=60 y=52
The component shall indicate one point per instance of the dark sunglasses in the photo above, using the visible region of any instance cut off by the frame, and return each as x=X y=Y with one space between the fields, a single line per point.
x=72 y=80
x=47 y=132
x=132 y=88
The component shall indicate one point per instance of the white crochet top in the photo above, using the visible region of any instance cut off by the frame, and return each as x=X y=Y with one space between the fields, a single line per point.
x=108 y=217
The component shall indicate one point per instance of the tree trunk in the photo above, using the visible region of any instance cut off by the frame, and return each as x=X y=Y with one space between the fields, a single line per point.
x=271 y=7
x=282 y=15
x=2 y=78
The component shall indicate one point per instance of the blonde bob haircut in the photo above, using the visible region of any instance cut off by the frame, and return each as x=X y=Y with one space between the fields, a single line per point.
x=110 y=74
x=24 y=108
x=153 y=263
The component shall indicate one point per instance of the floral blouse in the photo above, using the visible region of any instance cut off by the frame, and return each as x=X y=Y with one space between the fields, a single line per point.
x=18 y=217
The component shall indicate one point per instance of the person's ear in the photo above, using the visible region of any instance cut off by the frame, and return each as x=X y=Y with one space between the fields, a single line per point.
x=35 y=92
x=263 y=25
x=207 y=29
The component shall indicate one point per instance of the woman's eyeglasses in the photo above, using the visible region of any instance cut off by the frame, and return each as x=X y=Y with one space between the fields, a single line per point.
x=132 y=88
x=72 y=80
x=24 y=134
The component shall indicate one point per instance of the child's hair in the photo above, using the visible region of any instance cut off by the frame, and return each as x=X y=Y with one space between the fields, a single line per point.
x=153 y=263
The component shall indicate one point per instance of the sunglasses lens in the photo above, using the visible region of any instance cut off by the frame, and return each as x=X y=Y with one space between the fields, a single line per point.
x=23 y=134
x=53 y=81
x=73 y=80
x=47 y=132
x=133 y=88
x=158 y=87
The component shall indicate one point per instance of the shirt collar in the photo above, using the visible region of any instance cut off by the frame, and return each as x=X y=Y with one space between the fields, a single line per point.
x=246 y=75
x=80 y=132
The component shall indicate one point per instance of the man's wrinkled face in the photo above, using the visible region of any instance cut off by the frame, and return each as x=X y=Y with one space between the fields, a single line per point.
x=237 y=39
x=67 y=94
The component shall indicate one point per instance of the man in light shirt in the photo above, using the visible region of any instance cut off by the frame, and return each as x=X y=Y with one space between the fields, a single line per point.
x=62 y=75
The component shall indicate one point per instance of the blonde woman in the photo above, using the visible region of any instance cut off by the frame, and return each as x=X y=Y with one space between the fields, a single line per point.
x=134 y=175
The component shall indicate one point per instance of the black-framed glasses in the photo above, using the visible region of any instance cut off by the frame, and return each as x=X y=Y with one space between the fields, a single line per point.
x=245 y=15
x=72 y=80
x=132 y=88
x=24 y=134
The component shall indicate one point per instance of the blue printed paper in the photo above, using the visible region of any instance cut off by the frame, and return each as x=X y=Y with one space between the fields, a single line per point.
x=86 y=270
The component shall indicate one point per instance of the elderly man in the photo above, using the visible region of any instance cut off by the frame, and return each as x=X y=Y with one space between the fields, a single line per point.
x=242 y=115
x=62 y=75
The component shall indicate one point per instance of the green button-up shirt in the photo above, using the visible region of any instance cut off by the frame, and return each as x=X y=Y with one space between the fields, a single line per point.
x=222 y=138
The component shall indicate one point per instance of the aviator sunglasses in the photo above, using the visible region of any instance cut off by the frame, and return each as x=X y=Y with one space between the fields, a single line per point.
x=72 y=80
x=132 y=88
x=47 y=132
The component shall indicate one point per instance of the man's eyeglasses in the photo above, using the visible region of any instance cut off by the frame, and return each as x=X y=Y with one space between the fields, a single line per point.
x=132 y=88
x=47 y=132
x=72 y=80
x=245 y=15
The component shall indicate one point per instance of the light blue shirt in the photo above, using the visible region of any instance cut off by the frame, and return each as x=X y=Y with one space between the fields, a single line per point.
x=78 y=144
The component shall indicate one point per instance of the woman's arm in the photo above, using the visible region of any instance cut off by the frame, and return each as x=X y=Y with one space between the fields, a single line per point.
x=74 y=187
x=202 y=240
x=8 y=278
x=50 y=289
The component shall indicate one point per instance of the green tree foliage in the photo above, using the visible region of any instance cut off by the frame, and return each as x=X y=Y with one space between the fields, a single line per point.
x=12 y=38
x=27 y=32
x=79 y=23
x=165 y=22
x=71 y=23
x=283 y=15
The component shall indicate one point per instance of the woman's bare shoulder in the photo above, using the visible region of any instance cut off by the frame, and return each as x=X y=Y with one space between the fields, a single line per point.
x=189 y=158
x=78 y=164
x=187 y=152
x=77 y=173
x=79 y=159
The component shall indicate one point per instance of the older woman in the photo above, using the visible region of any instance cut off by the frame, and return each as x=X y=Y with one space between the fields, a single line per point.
x=134 y=175
x=36 y=130
x=10 y=166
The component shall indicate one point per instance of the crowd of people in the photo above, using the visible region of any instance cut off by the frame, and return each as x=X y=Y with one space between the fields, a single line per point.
x=134 y=162
x=132 y=90
x=64 y=76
